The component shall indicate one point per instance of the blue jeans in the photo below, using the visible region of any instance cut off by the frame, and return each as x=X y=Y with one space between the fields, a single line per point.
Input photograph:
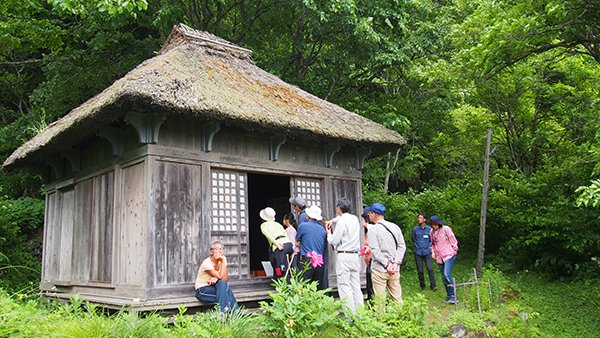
x=219 y=293
x=446 y=270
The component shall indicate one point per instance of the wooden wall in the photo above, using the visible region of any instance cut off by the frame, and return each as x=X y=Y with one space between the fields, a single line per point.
x=184 y=133
x=132 y=241
x=177 y=234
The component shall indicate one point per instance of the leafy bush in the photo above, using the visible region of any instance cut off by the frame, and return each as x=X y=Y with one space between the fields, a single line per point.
x=19 y=219
x=535 y=223
x=298 y=309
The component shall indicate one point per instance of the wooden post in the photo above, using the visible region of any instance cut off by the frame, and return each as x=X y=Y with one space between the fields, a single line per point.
x=491 y=297
x=478 y=296
x=484 y=198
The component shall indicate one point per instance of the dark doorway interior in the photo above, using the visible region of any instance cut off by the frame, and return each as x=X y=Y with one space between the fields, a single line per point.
x=265 y=191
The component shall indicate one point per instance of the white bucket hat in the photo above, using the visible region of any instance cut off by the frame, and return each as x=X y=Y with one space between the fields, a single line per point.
x=267 y=214
x=314 y=212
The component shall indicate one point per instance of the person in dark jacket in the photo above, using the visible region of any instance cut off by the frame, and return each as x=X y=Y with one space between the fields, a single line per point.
x=422 y=241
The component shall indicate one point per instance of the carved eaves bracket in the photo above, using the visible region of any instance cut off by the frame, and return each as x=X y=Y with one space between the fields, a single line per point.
x=147 y=125
x=74 y=156
x=113 y=135
x=330 y=150
x=44 y=170
x=361 y=156
x=275 y=143
x=208 y=133
x=58 y=163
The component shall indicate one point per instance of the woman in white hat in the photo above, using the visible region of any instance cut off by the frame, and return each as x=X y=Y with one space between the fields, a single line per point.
x=280 y=244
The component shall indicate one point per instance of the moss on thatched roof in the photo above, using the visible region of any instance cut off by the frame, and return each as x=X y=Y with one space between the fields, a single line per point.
x=198 y=74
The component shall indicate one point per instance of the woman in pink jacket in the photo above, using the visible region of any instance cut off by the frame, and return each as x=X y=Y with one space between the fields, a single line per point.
x=444 y=247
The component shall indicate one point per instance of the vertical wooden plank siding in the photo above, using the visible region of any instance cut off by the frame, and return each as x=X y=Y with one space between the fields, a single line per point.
x=173 y=222
x=177 y=233
x=82 y=229
x=102 y=237
x=348 y=189
x=50 y=238
x=160 y=236
x=66 y=234
x=132 y=241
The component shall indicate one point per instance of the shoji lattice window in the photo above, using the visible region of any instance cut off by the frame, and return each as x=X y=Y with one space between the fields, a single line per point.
x=229 y=219
x=228 y=201
x=310 y=189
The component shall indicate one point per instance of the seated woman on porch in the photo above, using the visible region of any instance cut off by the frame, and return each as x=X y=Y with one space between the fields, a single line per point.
x=211 y=282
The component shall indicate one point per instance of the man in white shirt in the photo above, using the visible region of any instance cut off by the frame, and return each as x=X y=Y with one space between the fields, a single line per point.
x=346 y=239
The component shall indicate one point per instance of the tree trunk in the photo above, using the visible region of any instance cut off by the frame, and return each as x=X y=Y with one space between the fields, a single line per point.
x=386 y=182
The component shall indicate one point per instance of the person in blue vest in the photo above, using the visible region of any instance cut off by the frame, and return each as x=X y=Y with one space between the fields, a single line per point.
x=422 y=241
x=311 y=238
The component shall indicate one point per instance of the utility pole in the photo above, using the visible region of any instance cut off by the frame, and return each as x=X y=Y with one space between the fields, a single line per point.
x=484 y=199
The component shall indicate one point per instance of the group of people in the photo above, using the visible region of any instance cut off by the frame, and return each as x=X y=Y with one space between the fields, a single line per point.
x=300 y=242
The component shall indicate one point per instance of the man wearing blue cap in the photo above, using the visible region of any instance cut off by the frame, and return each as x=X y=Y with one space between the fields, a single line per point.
x=387 y=245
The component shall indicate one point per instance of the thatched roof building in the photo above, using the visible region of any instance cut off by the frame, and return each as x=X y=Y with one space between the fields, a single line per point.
x=199 y=74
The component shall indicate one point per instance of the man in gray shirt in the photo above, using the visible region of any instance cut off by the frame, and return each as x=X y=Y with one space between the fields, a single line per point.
x=346 y=239
x=386 y=243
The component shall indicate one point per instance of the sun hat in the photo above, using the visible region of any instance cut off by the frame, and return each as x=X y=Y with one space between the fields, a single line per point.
x=299 y=201
x=268 y=214
x=377 y=208
x=314 y=212
x=435 y=220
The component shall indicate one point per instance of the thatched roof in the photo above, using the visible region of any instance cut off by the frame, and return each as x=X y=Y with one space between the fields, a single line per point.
x=200 y=75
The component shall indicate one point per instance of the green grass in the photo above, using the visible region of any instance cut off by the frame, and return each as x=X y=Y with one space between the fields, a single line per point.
x=566 y=309
x=556 y=308
x=536 y=306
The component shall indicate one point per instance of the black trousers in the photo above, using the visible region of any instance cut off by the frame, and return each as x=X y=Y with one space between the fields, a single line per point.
x=429 y=264
x=280 y=259
x=313 y=273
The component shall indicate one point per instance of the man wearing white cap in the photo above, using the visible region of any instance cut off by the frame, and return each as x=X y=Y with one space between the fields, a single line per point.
x=311 y=237
x=278 y=240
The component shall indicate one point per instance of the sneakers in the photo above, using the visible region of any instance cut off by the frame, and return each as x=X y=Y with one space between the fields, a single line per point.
x=447 y=299
x=433 y=288
x=451 y=300
x=423 y=288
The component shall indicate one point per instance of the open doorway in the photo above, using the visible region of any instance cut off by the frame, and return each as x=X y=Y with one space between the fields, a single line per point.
x=264 y=191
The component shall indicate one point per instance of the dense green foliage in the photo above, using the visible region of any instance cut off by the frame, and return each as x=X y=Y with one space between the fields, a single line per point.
x=19 y=221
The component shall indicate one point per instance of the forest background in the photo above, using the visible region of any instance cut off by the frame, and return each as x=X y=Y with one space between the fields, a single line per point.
x=438 y=72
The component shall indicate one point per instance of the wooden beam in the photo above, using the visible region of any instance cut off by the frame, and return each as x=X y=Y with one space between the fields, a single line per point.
x=330 y=150
x=275 y=143
x=361 y=156
x=208 y=133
